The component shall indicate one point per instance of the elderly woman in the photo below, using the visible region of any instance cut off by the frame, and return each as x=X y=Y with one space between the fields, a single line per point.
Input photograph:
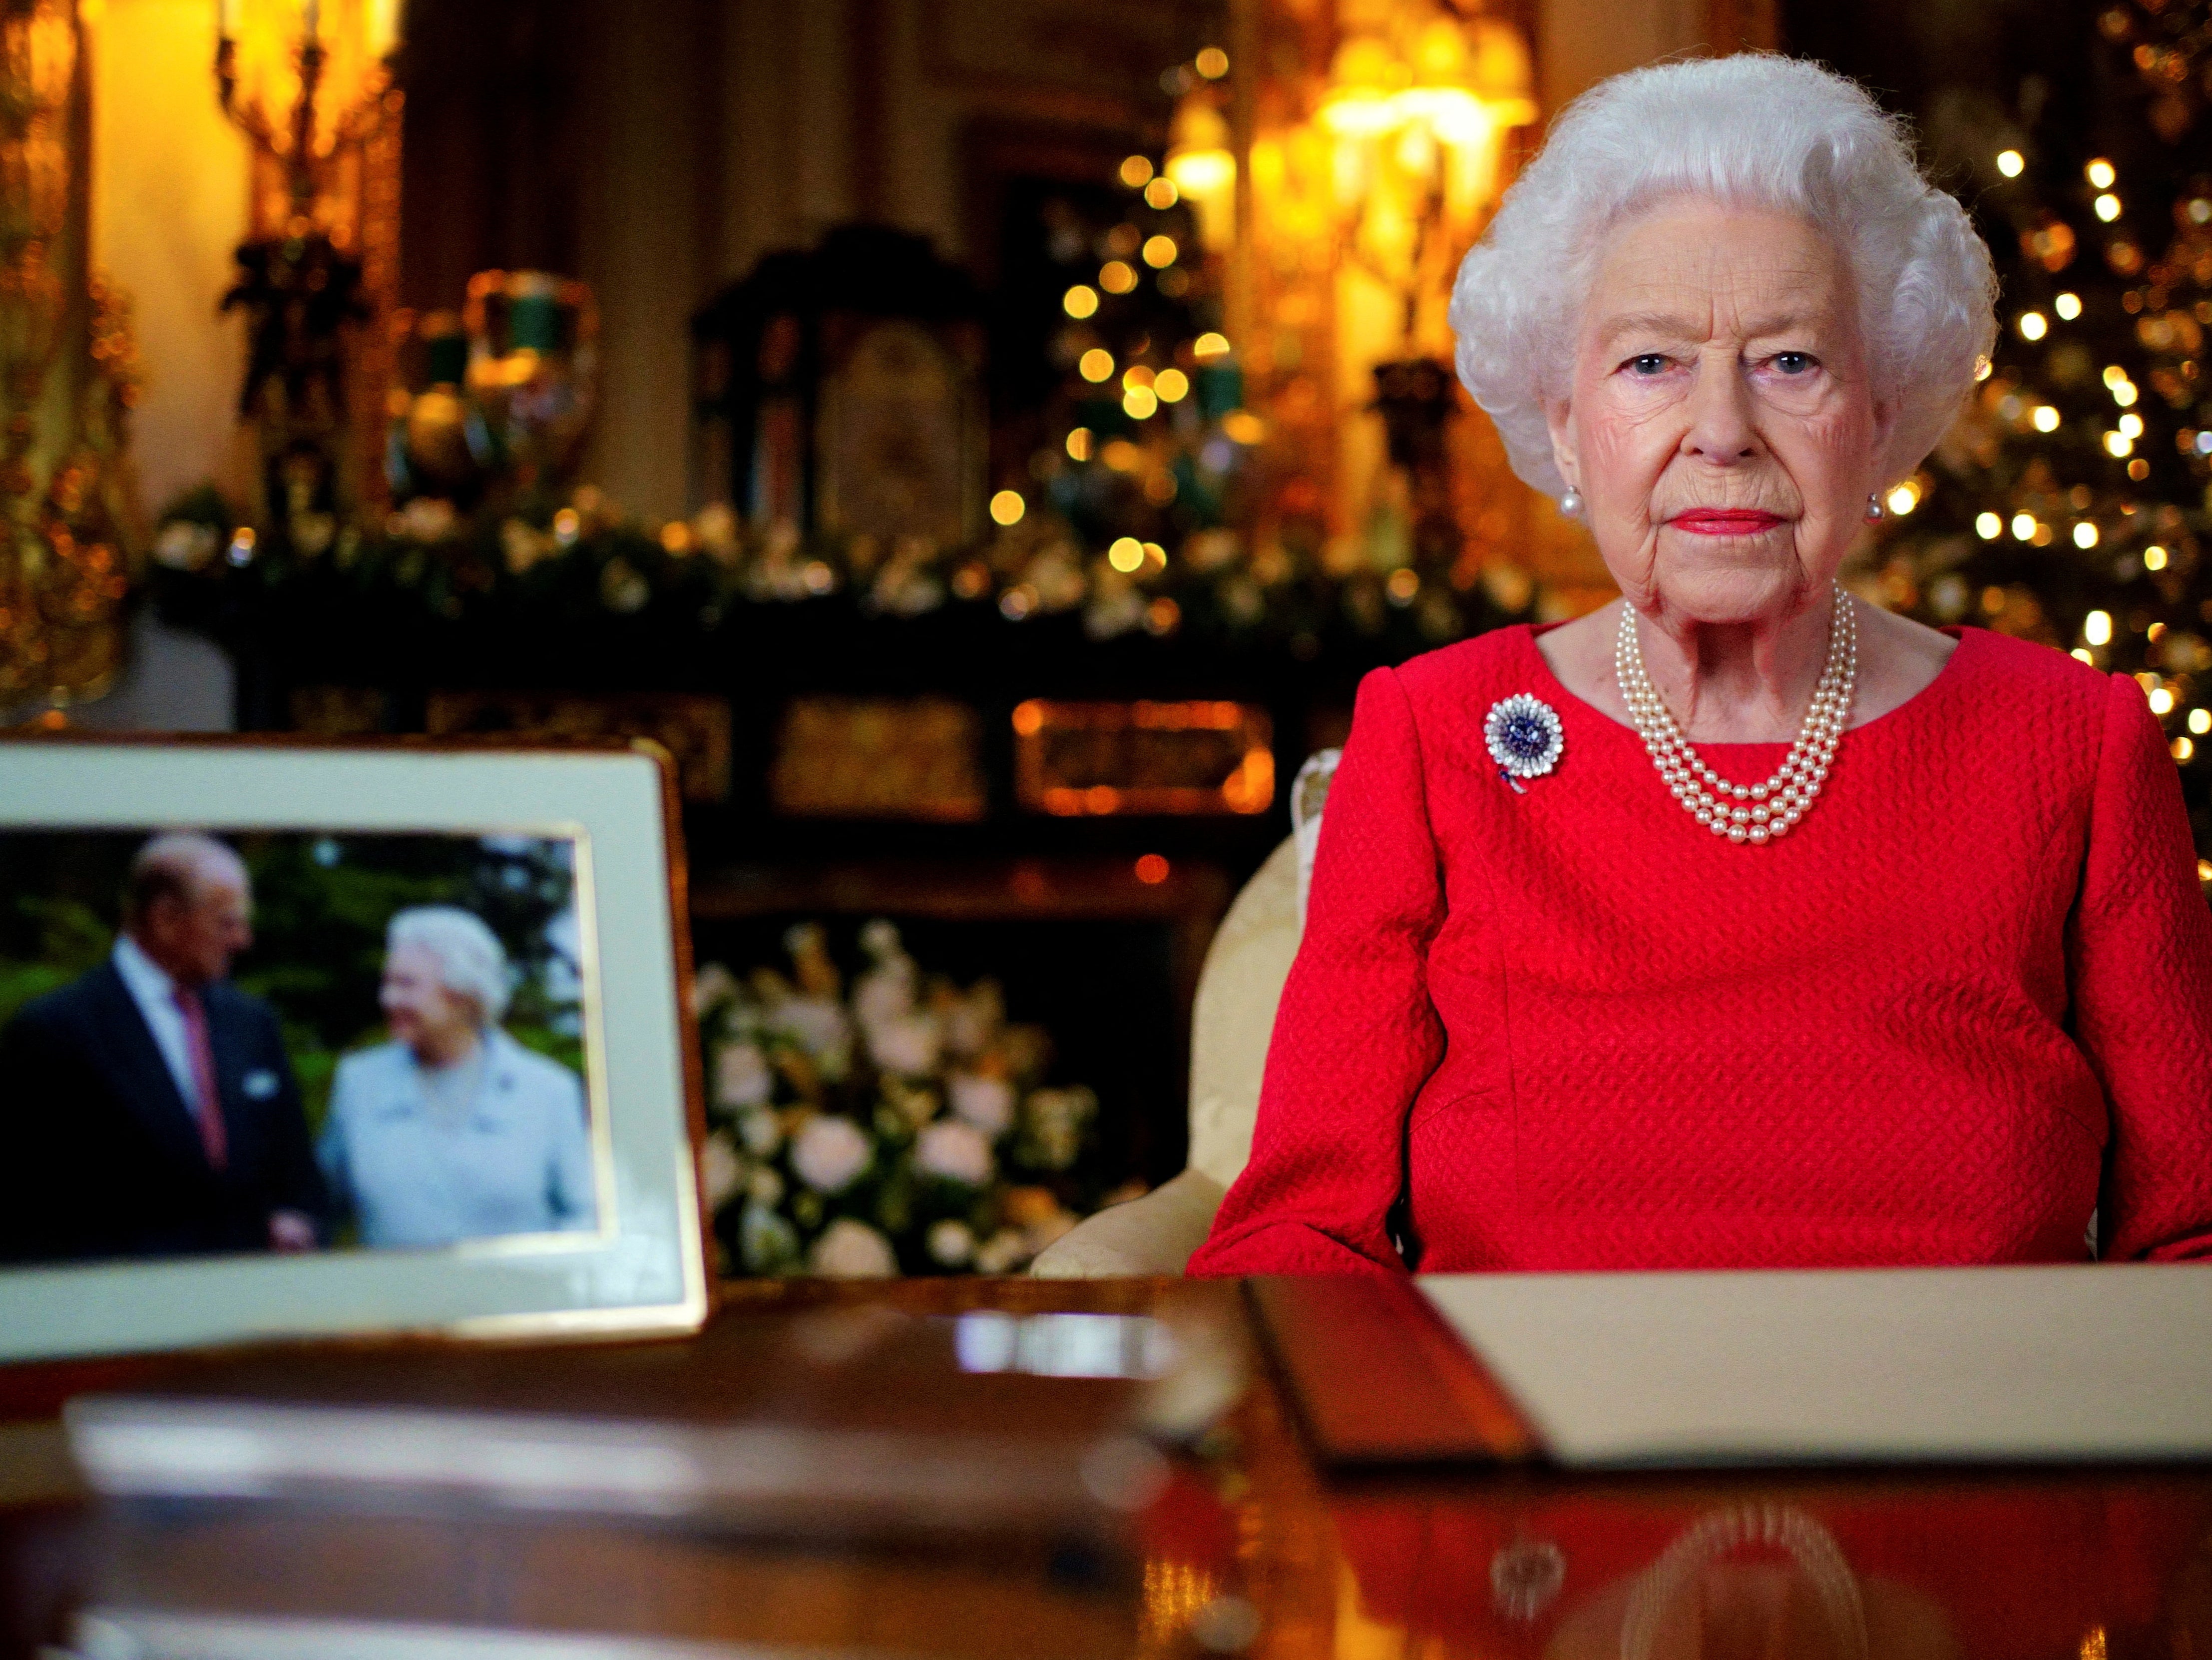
x=1738 y=924
x=453 y=1130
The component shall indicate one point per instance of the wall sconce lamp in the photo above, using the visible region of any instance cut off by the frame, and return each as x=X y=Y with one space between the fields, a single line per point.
x=304 y=81
x=310 y=84
x=1203 y=167
x=1416 y=118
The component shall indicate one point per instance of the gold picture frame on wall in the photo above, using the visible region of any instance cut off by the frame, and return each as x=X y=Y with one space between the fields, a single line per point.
x=313 y=1200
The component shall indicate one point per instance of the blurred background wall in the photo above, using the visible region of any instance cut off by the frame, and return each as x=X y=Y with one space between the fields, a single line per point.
x=659 y=148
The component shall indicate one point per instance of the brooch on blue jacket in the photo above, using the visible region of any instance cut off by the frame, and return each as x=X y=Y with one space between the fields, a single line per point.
x=1525 y=738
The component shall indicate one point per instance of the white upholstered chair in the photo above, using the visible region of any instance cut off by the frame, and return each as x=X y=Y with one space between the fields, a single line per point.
x=1237 y=990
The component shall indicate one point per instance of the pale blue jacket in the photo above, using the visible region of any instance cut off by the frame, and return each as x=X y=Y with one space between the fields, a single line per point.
x=519 y=1163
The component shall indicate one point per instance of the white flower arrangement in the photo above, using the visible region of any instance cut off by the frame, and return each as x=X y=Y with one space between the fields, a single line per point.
x=905 y=1128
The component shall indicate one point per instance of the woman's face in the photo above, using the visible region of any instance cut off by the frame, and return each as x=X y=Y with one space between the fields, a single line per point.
x=1720 y=425
x=431 y=1020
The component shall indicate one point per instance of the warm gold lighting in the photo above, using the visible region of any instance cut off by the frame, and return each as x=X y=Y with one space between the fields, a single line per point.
x=2200 y=722
x=2010 y=163
x=1007 y=508
x=1136 y=170
x=1171 y=386
x=1139 y=403
x=1078 y=444
x=1244 y=427
x=2097 y=627
x=1162 y=192
x=2161 y=701
x=1988 y=526
x=1209 y=346
x=2033 y=325
x=1097 y=364
x=2085 y=535
x=1117 y=277
x=2183 y=749
x=2108 y=207
x=1203 y=166
x=2023 y=527
x=1127 y=556
x=1080 y=301
x=287 y=70
x=2131 y=424
x=1212 y=62
x=1903 y=499
x=2045 y=418
x=1159 y=251
x=2068 y=306
x=2099 y=172
x=2153 y=558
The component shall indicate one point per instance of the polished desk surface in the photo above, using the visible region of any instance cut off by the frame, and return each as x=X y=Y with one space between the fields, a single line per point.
x=1257 y=1549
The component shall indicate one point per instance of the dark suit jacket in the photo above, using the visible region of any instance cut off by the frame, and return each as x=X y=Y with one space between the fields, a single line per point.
x=99 y=1156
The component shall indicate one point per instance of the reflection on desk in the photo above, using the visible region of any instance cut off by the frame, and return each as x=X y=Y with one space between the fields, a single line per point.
x=1251 y=1547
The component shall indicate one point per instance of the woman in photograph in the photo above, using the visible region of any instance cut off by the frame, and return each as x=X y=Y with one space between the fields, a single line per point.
x=1739 y=923
x=453 y=1130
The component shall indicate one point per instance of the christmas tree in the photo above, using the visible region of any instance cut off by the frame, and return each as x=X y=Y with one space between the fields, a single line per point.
x=2069 y=504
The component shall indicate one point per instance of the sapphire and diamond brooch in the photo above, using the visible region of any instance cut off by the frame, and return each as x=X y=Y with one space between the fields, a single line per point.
x=1525 y=738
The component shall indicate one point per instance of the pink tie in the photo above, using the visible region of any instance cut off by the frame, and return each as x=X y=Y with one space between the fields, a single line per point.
x=212 y=1136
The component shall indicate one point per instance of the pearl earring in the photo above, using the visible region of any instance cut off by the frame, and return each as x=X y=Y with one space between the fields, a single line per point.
x=1570 y=503
x=1875 y=511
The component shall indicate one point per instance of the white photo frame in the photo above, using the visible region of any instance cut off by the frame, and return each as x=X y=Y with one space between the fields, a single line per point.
x=643 y=1269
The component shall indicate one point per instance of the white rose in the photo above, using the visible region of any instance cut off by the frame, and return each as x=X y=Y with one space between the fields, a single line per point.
x=950 y=1244
x=955 y=1149
x=714 y=984
x=741 y=1077
x=987 y=1102
x=1001 y=1251
x=721 y=1170
x=852 y=1250
x=760 y=1131
x=829 y=1153
x=816 y=1025
x=885 y=993
x=909 y=1046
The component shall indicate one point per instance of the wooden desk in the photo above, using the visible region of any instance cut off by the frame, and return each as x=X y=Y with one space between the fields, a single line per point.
x=1254 y=1544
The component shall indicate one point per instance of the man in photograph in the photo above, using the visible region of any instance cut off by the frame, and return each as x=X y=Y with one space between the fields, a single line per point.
x=148 y=1108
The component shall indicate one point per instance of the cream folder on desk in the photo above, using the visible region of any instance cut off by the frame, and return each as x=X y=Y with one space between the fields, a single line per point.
x=2100 y=1362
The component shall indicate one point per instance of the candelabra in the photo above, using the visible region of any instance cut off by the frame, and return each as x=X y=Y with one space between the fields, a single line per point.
x=310 y=85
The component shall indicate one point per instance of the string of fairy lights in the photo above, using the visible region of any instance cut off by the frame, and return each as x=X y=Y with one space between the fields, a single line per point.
x=2069 y=503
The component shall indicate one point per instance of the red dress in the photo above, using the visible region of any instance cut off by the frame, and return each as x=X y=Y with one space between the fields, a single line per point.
x=1964 y=1004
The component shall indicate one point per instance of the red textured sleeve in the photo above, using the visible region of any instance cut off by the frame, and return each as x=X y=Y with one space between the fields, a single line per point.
x=2141 y=965
x=1355 y=1034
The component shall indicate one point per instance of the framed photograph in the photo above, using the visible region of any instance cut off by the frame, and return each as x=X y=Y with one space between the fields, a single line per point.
x=307 y=1039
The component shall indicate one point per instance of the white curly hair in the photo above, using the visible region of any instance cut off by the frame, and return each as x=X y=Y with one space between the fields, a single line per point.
x=472 y=963
x=1757 y=129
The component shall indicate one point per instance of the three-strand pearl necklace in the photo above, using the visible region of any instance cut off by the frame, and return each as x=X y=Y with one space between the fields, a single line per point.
x=1745 y=813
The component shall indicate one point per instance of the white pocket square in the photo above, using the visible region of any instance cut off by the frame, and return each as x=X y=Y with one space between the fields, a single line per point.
x=259 y=1084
